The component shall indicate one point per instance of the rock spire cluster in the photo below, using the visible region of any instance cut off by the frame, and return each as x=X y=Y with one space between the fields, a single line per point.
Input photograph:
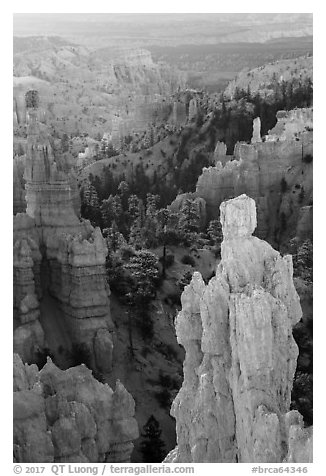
x=57 y=255
x=66 y=416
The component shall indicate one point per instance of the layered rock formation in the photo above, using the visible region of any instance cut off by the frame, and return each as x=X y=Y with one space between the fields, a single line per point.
x=19 y=200
x=290 y=124
x=56 y=254
x=274 y=173
x=240 y=354
x=119 y=82
x=68 y=416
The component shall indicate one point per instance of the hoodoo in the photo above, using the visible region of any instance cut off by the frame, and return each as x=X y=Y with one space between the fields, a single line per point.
x=234 y=404
x=68 y=416
x=59 y=260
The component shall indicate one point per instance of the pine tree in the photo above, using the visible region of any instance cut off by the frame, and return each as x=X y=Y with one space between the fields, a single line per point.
x=152 y=447
x=114 y=239
x=151 y=223
x=189 y=221
x=90 y=207
x=144 y=273
x=111 y=209
x=123 y=191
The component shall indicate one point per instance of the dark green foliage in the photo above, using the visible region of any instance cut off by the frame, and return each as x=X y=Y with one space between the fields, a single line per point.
x=187 y=259
x=152 y=447
x=307 y=159
x=143 y=269
x=303 y=261
x=32 y=99
x=214 y=231
x=167 y=381
x=302 y=396
x=184 y=280
x=189 y=222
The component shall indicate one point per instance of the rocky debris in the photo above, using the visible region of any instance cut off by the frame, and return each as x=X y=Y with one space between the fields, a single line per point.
x=240 y=354
x=68 y=416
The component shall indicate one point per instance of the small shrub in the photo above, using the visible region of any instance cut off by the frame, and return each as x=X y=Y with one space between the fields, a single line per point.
x=127 y=252
x=307 y=159
x=187 y=259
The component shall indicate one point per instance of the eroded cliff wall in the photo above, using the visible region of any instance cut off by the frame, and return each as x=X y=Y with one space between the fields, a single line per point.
x=58 y=254
x=277 y=173
x=234 y=404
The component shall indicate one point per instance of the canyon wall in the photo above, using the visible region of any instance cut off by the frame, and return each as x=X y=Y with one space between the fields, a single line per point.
x=68 y=416
x=121 y=83
x=58 y=255
x=234 y=404
x=274 y=172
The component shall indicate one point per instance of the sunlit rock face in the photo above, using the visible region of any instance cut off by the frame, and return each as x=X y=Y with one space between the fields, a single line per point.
x=68 y=416
x=240 y=354
x=57 y=254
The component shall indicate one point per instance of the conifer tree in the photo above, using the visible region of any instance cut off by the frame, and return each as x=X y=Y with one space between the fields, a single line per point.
x=114 y=239
x=90 y=208
x=189 y=221
x=111 y=209
x=144 y=273
x=152 y=447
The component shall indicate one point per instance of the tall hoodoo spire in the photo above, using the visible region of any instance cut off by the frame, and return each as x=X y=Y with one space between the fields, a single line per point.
x=234 y=404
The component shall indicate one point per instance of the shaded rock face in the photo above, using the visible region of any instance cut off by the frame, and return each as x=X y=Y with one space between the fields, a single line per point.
x=240 y=354
x=274 y=173
x=68 y=416
x=56 y=253
x=19 y=200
